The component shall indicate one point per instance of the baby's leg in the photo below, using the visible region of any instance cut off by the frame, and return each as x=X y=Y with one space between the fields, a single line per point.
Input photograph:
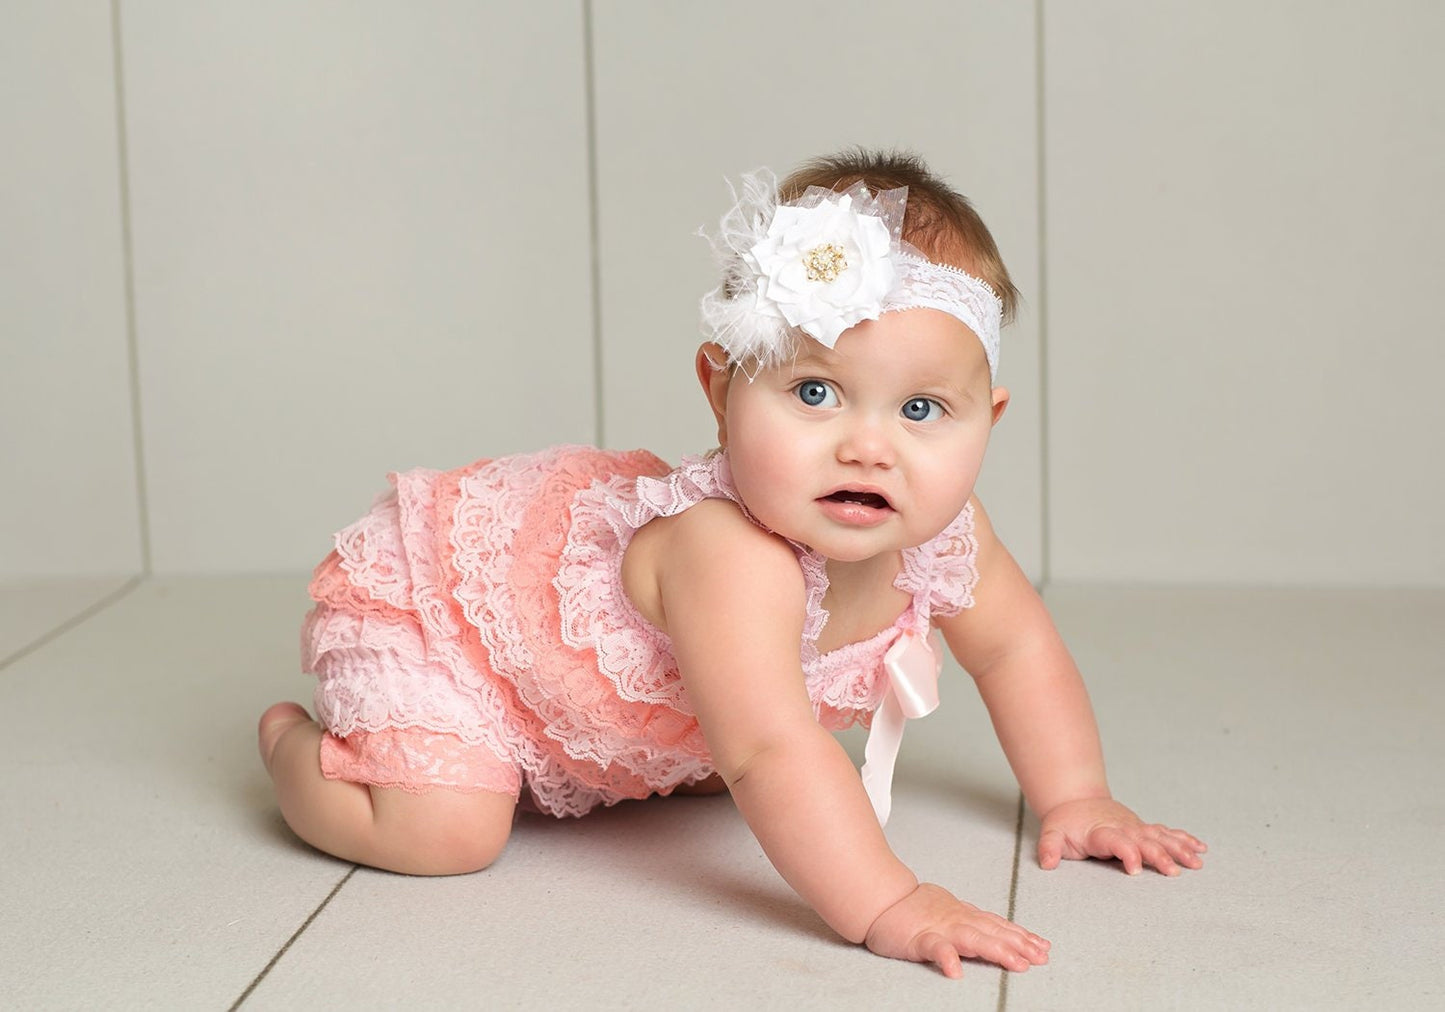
x=441 y=832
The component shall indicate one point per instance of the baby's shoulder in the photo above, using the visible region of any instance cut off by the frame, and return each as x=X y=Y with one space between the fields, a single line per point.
x=713 y=531
x=711 y=544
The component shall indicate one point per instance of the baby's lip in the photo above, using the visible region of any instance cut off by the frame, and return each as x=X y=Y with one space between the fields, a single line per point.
x=864 y=495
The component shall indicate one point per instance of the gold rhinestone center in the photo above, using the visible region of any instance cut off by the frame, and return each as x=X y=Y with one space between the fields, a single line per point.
x=824 y=263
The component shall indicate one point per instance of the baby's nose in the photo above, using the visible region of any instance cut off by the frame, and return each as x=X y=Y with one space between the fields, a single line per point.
x=865 y=440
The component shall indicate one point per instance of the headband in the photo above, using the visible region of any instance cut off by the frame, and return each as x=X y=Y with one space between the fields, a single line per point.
x=824 y=263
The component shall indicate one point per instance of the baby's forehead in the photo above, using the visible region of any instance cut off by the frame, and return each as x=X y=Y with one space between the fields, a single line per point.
x=953 y=351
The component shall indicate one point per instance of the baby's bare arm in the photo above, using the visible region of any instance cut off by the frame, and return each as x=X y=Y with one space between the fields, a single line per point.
x=1045 y=722
x=733 y=600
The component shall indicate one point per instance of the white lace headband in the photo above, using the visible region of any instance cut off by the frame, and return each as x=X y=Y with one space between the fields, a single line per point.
x=824 y=263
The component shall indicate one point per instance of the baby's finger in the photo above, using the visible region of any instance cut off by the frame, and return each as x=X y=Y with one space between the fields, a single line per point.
x=1009 y=950
x=1032 y=948
x=1021 y=937
x=1116 y=843
x=1156 y=854
x=1025 y=937
x=1198 y=845
x=934 y=948
x=1182 y=849
x=1051 y=849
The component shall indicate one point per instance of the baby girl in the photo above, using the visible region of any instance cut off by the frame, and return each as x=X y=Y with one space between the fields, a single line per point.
x=576 y=627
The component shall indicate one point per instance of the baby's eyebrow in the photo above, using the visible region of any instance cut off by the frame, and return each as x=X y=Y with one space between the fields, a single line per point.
x=941 y=382
x=808 y=360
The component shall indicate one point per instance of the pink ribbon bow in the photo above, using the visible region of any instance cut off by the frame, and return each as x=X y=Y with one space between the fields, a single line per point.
x=912 y=667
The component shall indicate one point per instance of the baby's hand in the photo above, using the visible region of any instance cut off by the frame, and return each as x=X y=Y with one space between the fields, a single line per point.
x=930 y=925
x=1104 y=828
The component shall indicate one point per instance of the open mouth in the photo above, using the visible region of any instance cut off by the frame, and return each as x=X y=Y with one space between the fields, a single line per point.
x=870 y=499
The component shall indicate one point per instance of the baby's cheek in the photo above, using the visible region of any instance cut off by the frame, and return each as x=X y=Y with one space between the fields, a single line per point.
x=949 y=492
x=755 y=478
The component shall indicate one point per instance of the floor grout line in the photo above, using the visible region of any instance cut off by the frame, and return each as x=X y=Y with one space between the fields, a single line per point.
x=294 y=935
x=1013 y=894
x=73 y=622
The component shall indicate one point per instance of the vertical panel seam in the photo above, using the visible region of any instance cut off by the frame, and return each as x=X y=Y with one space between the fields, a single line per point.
x=1041 y=209
x=594 y=237
x=143 y=523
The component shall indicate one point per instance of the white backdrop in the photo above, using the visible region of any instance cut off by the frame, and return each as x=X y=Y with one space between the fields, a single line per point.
x=256 y=255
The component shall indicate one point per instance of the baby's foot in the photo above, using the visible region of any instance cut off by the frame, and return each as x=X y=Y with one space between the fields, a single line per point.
x=275 y=722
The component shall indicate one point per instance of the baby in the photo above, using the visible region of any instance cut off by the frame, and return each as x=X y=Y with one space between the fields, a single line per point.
x=577 y=627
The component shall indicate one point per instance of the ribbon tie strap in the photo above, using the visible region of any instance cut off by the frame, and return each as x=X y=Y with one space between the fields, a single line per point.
x=912 y=666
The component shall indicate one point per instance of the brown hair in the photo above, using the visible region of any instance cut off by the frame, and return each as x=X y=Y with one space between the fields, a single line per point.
x=939 y=221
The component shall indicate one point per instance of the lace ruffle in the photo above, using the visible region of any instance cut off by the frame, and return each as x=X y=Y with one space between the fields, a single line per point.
x=595 y=611
x=593 y=606
x=417 y=761
x=846 y=684
x=505 y=560
x=371 y=552
x=942 y=573
x=429 y=669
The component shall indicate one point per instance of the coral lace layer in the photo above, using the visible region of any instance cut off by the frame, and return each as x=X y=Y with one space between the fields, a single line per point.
x=471 y=632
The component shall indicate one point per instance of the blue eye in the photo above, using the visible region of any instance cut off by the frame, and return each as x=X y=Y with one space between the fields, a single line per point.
x=922 y=409
x=816 y=394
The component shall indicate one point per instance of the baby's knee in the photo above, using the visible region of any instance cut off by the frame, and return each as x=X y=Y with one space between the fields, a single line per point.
x=443 y=832
x=464 y=850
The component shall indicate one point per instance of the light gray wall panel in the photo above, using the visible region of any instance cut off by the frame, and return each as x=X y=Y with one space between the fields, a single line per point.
x=1244 y=355
x=362 y=244
x=689 y=93
x=67 y=465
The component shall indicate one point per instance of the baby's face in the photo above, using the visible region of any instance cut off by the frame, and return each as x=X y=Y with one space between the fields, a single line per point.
x=871 y=447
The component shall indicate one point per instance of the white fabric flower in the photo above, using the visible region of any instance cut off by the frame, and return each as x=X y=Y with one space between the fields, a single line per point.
x=852 y=284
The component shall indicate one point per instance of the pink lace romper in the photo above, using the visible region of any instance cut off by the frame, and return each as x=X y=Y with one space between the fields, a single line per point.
x=471 y=632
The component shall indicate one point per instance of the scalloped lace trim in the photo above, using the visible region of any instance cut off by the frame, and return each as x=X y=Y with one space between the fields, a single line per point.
x=417 y=761
x=596 y=612
x=944 y=571
x=955 y=292
x=616 y=741
x=374 y=677
x=429 y=657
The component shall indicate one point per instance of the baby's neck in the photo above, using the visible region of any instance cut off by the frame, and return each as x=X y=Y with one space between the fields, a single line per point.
x=849 y=582
x=861 y=599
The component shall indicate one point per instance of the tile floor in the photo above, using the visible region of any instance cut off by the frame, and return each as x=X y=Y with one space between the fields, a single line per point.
x=143 y=865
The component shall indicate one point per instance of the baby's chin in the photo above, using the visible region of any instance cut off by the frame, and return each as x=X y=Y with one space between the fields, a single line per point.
x=849 y=555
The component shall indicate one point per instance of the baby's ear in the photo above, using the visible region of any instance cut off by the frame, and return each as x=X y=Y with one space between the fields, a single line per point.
x=1000 y=403
x=714 y=375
